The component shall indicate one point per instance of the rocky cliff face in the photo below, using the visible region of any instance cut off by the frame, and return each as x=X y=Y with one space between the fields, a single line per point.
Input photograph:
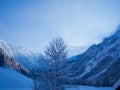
x=8 y=62
x=99 y=65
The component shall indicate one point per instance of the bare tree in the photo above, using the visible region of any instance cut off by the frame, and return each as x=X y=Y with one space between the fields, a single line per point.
x=50 y=76
x=56 y=53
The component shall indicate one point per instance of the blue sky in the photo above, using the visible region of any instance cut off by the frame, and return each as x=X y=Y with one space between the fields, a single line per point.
x=33 y=23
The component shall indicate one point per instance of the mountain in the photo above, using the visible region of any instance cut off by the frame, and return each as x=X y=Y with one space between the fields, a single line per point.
x=12 y=80
x=8 y=62
x=26 y=58
x=99 y=65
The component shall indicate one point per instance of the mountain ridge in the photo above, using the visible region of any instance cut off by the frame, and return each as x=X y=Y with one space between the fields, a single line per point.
x=26 y=58
x=95 y=62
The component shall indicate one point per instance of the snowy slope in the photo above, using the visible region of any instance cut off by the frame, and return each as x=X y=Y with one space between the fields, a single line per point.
x=116 y=85
x=87 y=88
x=98 y=65
x=12 y=80
x=24 y=57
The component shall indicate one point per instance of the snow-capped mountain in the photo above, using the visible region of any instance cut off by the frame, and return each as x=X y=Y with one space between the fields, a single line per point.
x=8 y=62
x=98 y=65
x=6 y=48
x=22 y=56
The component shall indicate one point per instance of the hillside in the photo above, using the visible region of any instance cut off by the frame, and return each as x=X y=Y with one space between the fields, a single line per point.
x=9 y=62
x=99 y=65
x=87 y=88
x=12 y=80
x=26 y=58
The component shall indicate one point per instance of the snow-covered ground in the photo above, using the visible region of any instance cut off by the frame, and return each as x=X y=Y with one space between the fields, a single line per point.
x=87 y=88
x=13 y=80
